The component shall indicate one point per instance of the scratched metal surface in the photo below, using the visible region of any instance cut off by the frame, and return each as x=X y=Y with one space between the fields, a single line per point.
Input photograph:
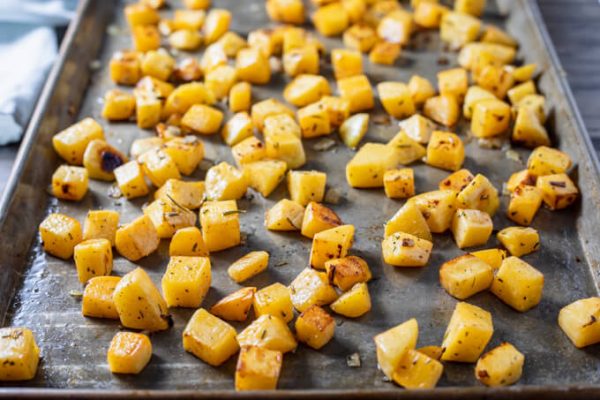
x=34 y=287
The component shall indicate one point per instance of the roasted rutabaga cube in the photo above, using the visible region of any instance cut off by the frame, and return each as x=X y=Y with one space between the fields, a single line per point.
x=158 y=166
x=409 y=219
x=353 y=129
x=466 y=275
x=331 y=19
x=93 y=258
x=225 y=182
x=318 y=218
x=501 y=366
x=457 y=181
x=285 y=215
x=406 y=250
x=209 y=338
x=491 y=117
x=454 y=82
x=493 y=257
x=358 y=92
x=309 y=288
x=129 y=353
x=471 y=228
x=458 y=29
x=267 y=108
x=443 y=109
x=306 y=186
x=445 y=150
x=60 y=234
x=396 y=99
x=248 y=266
x=518 y=284
x=428 y=14
x=421 y=89
x=235 y=306
x=437 y=207
x=240 y=97
x=274 y=300
x=70 y=183
x=525 y=201
x=314 y=120
x=100 y=160
x=168 y=216
x=399 y=183
x=137 y=239
x=580 y=321
x=286 y=11
x=469 y=331
x=185 y=96
x=186 y=152
x=238 y=128
x=269 y=332
x=393 y=345
x=519 y=241
x=315 y=327
x=188 y=242
x=131 y=181
x=306 y=89
x=258 y=368
x=479 y=194
x=418 y=371
x=215 y=25
x=19 y=354
x=548 y=161
x=353 y=303
x=188 y=194
x=474 y=95
x=140 y=304
x=285 y=146
x=97 y=300
x=367 y=167
x=347 y=271
x=71 y=143
x=220 y=224
x=249 y=150
x=253 y=66
x=418 y=128
x=408 y=150
x=558 y=191
x=330 y=244
x=264 y=176
x=101 y=224
x=346 y=63
x=186 y=281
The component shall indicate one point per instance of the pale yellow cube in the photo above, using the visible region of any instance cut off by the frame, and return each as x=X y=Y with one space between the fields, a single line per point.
x=399 y=183
x=286 y=215
x=269 y=332
x=408 y=219
x=186 y=281
x=464 y=276
x=518 y=284
x=306 y=186
x=479 y=194
x=405 y=250
x=188 y=242
x=353 y=303
x=220 y=224
x=346 y=63
x=274 y=300
x=368 y=166
x=93 y=258
x=469 y=331
x=235 y=306
x=501 y=366
x=580 y=321
x=330 y=244
x=60 y=234
x=558 y=190
x=519 y=241
x=358 y=92
x=264 y=176
x=209 y=338
x=315 y=327
x=225 y=182
x=309 y=288
x=19 y=354
x=238 y=128
x=471 y=228
x=158 y=166
x=258 y=368
x=445 y=150
x=396 y=99
x=394 y=344
x=418 y=371
x=306 y=89
x=314 y=121
x=318 y=218
x=70 y=183
x=437 y=207
x=129 y=353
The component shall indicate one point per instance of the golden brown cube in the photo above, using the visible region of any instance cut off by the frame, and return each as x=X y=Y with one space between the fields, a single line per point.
x=315 y=327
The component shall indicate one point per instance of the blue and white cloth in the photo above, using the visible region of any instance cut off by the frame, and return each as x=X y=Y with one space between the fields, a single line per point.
x=28 y=49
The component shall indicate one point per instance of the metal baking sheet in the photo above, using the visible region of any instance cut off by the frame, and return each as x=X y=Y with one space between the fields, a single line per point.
x=34 y=287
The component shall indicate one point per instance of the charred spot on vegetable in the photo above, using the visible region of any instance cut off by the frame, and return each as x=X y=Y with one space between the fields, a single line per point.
x=110 y=161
